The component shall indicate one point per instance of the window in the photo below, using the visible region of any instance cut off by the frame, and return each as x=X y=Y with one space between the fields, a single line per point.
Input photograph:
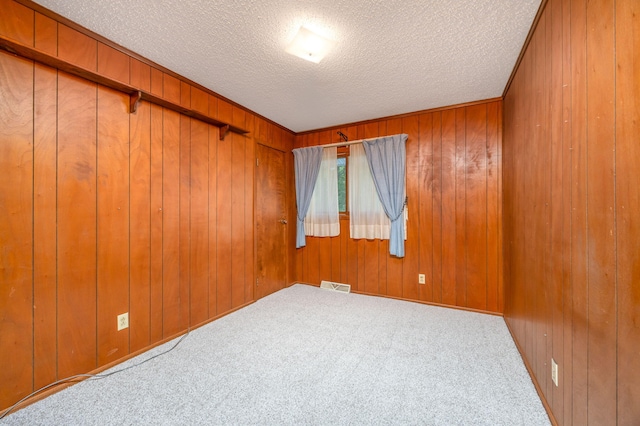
x=367 y=218
x=342 y=183
x=322 y=219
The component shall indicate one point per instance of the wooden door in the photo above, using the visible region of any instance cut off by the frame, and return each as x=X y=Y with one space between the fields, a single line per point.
x=271 y=223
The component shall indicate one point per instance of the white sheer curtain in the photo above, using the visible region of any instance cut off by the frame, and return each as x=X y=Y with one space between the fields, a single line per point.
x=367 y=217
x=322 y=218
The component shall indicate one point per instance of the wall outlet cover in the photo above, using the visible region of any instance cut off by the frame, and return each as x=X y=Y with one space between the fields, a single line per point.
x=123 y=321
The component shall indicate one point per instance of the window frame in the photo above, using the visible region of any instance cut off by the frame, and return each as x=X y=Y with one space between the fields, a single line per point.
x=343 y=152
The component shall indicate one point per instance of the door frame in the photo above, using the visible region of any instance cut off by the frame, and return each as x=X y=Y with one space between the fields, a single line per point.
x=255 y=222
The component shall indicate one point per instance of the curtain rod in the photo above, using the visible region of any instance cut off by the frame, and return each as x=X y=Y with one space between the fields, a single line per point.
x=347 y=143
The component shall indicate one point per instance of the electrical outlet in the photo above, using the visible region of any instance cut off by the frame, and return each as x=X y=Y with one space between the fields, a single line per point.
x=421 y=279
x=123 y=321
x=554 y=372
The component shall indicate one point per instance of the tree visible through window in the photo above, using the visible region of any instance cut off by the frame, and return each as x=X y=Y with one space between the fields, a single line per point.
x=342 y=184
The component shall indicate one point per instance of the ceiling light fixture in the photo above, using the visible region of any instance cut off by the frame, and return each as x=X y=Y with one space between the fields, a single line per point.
x=309 y=45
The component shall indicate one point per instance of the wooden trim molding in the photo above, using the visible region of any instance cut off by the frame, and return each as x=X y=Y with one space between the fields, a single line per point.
x=135 y=95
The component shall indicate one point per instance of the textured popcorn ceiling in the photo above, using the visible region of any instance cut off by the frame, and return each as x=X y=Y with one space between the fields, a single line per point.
x=391 y=56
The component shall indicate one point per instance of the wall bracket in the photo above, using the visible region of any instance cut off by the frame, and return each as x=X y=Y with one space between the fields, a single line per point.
x=223 y=131
x=134 y=100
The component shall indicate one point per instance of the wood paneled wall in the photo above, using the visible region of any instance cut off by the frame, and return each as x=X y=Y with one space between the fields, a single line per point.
x=571 y=202
x=104 y=212
x=454 y=226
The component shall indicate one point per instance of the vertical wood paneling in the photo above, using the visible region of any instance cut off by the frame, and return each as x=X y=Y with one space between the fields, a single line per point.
x=554 y=80
x=110 y=212
x=334 y=252
x=184 y=245
x=77 y=48
x=140 y=228
x=538 y=236
x=185 y=94
x=171 y=301
x=213 y=218
x=601 y=238
x=342 y=258
x=238 y=117
x=460 y=208
x=199 y=229
x=627 y=156
x=44 y=225
x=578 y=249
x=312 y=260
x=239 y=165
x=424 y=200
x=500 y=231
x=16 y=217
x=112 y=63
x=139 y=74
x=199 y=100
x=157 y=87
x=237 y=220
x=567 y=186
x=16 y=22
x=448 y=209
x=517 y=197
x=225 y=212
x=213 y=205
x=437 y=207
x=383 y=255
x=411 y=262
x=213 y=106
x=76 y=225
x=453 y=185
x=352 y=263
x=112 y=223
x=156 y=219
x=46 y=34
x=570 y=112
x=223 y=227
x=170 y=88
x=225 y=111
x=324 y=259
x=249 y=233
x=476 y=206
x=493 y=207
